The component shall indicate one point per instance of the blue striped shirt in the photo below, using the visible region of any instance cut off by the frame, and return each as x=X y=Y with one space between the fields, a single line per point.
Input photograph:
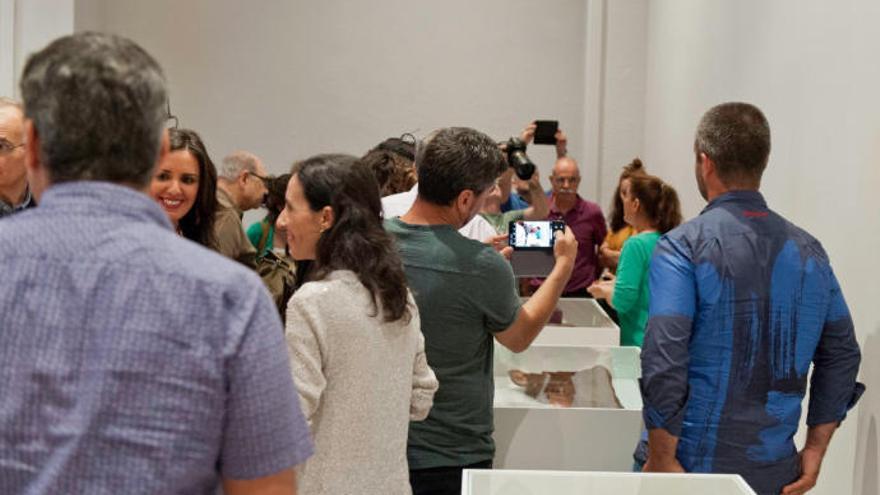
x=742 y=302
x=132 y=360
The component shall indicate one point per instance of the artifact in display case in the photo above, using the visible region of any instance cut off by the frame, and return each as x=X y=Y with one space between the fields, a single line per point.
x=512 y=482
x=567 y=407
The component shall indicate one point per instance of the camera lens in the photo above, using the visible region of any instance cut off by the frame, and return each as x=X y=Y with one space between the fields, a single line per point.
x=517 y=158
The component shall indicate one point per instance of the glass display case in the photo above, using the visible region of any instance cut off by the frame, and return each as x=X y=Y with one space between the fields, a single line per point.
x=579 y=322
x=567 y=407
x=512 y=482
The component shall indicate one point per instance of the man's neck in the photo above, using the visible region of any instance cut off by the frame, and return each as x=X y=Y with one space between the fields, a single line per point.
x=15 y=194
x=425 y=213
x=713 y=193
x=231 y=192
x=564 y=202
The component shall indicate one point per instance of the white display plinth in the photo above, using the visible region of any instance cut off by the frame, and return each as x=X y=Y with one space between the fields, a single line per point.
x=583 y=322
x=501 y=482
x=532 y=434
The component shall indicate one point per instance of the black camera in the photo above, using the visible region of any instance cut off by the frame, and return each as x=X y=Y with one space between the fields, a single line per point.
x=515 y=148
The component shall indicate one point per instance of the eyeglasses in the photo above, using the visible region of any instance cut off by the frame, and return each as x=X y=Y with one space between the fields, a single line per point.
x=6 y=147
x=565 y=180
x=264 y=179
x=171 y=120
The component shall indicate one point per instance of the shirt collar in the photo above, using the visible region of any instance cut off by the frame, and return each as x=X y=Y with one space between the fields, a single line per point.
x=26 y=202
x=749 y=199
x=93 y=196
x=578 y=205
x=226 y=201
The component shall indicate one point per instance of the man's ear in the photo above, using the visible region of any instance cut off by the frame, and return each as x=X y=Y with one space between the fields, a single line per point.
x=465 y=201
x=707 y=166
x=242 y=178
x=37 y=175
x=164 y=145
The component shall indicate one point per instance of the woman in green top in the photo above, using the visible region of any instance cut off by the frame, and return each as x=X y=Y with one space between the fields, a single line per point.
x=652 y=208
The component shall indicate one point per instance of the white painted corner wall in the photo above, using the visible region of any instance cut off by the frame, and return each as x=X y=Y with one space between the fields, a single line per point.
x=25 y=27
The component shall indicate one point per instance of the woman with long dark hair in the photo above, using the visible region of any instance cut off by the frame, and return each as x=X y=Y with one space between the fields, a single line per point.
x=652 y=208
x=185 y=186
x=353 y=332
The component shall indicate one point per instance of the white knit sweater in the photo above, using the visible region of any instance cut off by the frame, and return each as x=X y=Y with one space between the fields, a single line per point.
x=360 y=381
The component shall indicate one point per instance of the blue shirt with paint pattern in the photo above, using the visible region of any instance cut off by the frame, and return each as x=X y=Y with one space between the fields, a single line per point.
x=742 y=302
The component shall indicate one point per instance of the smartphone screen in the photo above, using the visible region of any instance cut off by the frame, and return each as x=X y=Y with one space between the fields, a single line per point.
x=533 y=234
x=545 y=131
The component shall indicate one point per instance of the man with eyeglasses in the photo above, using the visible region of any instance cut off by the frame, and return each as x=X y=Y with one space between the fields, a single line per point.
x=15 y=195
x=240 y=187
x=585 y=219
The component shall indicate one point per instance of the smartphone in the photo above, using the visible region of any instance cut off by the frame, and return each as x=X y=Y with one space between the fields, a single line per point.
x=545 y=131
x=533 y=235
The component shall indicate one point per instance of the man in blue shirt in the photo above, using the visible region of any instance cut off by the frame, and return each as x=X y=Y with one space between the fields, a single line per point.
x=742 y=301
x=131 y=360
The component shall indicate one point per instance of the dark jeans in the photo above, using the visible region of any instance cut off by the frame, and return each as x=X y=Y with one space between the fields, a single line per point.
x=441 y=480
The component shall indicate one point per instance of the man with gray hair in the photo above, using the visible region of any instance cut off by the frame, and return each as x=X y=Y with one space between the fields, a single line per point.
x=15 y=195
x=742 y=302
x=131 y=360
x=466 y=295
x=240 y=187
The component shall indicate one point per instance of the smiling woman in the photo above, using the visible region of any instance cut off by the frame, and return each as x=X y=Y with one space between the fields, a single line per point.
x=185 y=186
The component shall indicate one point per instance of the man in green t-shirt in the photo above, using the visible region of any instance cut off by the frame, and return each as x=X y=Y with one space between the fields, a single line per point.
x=466 y=295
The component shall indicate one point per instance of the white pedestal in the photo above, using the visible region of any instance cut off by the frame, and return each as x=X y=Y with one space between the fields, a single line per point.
x=500 y=482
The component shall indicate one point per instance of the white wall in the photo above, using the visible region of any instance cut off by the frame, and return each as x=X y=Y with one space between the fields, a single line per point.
x=290 y=79
x=811 y=66
x=27 y=26
x=624 y=77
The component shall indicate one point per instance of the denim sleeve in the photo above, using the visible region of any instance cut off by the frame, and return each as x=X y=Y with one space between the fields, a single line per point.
x=664 y=382
x=833 y=387
x=264 y=430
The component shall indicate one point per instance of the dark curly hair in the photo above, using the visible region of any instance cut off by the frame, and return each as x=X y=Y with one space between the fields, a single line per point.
x=276 y=187
x=357 y=241
x=615 y=219
x=198 y=223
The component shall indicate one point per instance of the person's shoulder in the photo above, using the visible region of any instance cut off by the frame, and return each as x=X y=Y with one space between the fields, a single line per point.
x=335 y=286
x=803 y=239
x=590 y=207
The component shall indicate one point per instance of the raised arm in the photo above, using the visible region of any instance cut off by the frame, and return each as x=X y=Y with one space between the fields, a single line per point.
x=537 y=310
x=539 y=209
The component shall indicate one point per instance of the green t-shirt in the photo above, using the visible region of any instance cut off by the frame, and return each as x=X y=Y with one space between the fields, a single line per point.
x=501 y=221
x=631 y=295
x=465 y=292
x=255 y=233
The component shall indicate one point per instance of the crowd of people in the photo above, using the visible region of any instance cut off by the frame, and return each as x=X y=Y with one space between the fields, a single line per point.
x=344 y=343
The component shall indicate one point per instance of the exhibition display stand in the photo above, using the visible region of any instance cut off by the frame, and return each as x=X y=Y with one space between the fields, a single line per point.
x=511 y=482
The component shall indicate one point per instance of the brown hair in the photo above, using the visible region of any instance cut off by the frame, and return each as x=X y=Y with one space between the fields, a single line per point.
x=658 y=200
x=615 y=220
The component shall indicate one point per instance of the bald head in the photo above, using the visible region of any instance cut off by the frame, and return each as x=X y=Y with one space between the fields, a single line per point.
x=242 y=175
x=566 y=177
x=12 y=169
